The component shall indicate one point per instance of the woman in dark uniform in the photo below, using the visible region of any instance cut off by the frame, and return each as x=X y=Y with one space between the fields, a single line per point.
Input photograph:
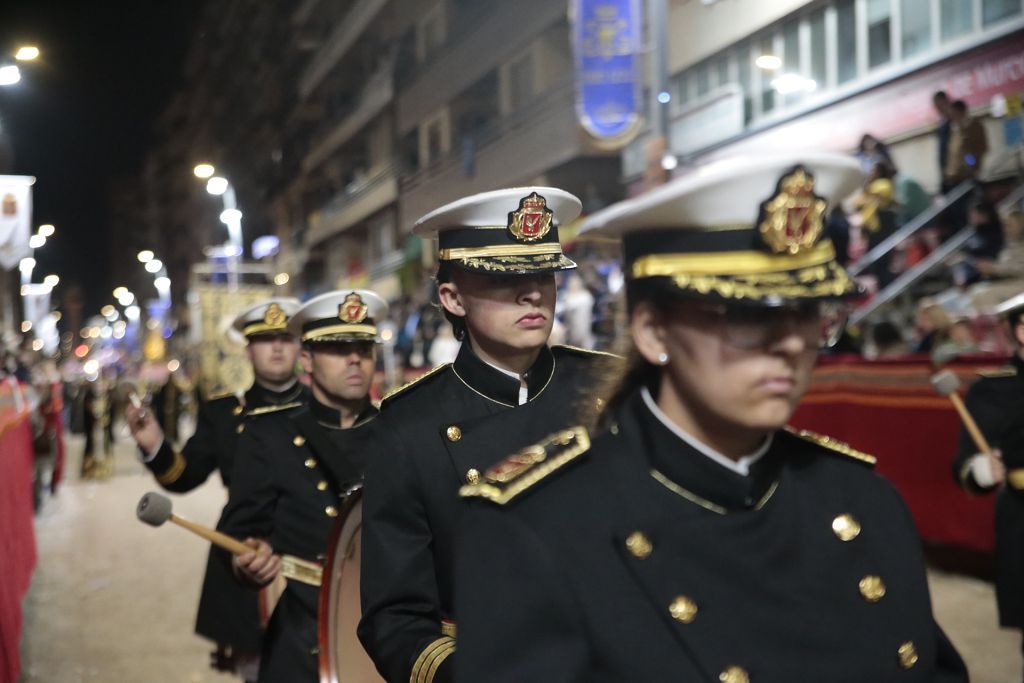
x=695 y=538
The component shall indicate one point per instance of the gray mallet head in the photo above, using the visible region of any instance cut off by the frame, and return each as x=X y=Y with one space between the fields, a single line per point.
x=946 y=382
x=154 y=509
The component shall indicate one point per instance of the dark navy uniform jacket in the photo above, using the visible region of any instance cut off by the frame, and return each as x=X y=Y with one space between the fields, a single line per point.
x=996 y=402
x=293 y=471
x=638 y=559
x=429 y=439
x=228 y=613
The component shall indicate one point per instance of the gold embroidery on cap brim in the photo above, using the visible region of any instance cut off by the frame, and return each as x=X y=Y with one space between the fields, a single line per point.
x=732 y=263
x=500 y=250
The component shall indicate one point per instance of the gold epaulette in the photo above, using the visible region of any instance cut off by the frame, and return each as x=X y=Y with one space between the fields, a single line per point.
x=273 y=409
x=408 y=385
x=587 y=352
x=1008 y=371
x=522 y=470
x=834 y=445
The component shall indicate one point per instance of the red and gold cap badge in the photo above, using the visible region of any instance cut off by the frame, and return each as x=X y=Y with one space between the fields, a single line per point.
x=532 y=220
x=352 y=310
x=793 y=219
x=274 y=316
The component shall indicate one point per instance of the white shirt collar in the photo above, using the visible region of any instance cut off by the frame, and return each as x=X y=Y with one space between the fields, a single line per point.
x=740 y=466
x=524 y=390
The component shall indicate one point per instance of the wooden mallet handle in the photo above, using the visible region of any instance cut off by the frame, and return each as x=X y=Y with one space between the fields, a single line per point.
x=972 y=426
x=232 y=545
x=947 y=384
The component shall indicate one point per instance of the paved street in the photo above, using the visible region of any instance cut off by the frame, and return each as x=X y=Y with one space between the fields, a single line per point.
x=113 y=600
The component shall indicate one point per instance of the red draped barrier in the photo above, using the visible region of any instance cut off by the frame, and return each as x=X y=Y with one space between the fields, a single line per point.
x=17 y=536
x=889 y=409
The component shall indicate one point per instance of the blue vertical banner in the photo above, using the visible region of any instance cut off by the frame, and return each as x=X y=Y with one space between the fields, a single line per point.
x=606 y=43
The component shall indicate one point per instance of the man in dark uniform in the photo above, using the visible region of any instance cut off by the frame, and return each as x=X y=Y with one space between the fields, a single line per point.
x=696 y=539
x=228 y=614
x=996 y=401
x=296 y=465
x=498 y=253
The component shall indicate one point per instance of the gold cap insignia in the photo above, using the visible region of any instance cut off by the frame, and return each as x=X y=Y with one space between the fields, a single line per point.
x=532 y=220
x=353 y=310
x=274 y=316
x=793 y=220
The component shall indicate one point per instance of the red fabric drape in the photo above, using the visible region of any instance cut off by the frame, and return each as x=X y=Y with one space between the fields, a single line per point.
x=17 y=535
x=890 y=410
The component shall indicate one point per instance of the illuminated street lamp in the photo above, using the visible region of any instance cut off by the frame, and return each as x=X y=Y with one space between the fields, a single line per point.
x=51 y=281
x=47 y=230
x=10 y=74
x=145 y=256
x=217 y=186
x=154 y=265
x=27 y=53
x=203 y=171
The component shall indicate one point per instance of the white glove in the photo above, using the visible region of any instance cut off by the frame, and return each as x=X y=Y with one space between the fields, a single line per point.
x=987 y=471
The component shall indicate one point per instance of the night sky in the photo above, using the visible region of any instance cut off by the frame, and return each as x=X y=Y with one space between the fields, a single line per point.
x=83 y=113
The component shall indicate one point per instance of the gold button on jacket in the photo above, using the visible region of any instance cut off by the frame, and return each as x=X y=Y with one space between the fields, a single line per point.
x=907 y=654
x=734 y=674
x=299 y=440
x=683 y=609
x=846 y=527
x=310 y=463
x=453 y=433
x=638 y=545
x=872 y=588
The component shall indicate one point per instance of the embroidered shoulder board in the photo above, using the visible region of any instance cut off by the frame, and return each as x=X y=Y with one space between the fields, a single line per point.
x=409 y=385
x=524 y=469
x=263 y=410
x=583 y=352
x=1008 y=371
x=834 y=445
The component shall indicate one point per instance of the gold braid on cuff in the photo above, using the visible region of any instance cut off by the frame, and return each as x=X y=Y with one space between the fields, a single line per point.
x=172 y=473
x=427 y=664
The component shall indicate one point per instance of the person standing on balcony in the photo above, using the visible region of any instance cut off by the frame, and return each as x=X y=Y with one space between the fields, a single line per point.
x=968 y=145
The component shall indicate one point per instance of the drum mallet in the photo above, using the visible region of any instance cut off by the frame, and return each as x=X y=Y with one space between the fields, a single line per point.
x=946 y=383
x=155 y=509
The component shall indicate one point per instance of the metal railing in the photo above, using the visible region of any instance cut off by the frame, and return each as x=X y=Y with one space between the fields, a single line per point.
x=911 y=227
x=929 y=263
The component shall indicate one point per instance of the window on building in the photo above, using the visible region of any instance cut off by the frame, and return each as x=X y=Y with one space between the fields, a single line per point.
x=879 y=32
x=846 y=40
x=520 y=80
x=791 y=58
x=430 y=32
x=743 y=63
x=722 y=76
x=766 y=47
x=916 y=26
x=997 y=10
x=703 y=79
x=819 y=53
x=956 y=18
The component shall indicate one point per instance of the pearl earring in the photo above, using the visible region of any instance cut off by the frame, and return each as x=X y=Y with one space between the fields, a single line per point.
x=662 y=358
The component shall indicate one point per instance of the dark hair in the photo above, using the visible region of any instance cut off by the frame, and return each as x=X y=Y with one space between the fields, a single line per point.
x=940 y=95
x=446 y=273
x=629 y=371
x=959 y=106
x=886 y=333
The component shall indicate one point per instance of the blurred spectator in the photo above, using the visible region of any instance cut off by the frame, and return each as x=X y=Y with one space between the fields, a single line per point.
x=941 y=103
x=1010 y=263
x=876 y=214
x=932 y=325
x=983 y=248
x=968 y=145
x=911 y=198
x=871 y=151
x=89 y=401
x=888 y=340
x=959 y=341
x=445 y=346
x=837 y=228
x=577 y=309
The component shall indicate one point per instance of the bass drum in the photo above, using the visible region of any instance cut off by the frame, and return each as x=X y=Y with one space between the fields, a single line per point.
x=342 y=657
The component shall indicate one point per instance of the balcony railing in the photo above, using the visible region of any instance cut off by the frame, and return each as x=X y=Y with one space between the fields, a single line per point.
x=378 y=92
x=345 y=34
x=353 y=204
x=557 y=98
